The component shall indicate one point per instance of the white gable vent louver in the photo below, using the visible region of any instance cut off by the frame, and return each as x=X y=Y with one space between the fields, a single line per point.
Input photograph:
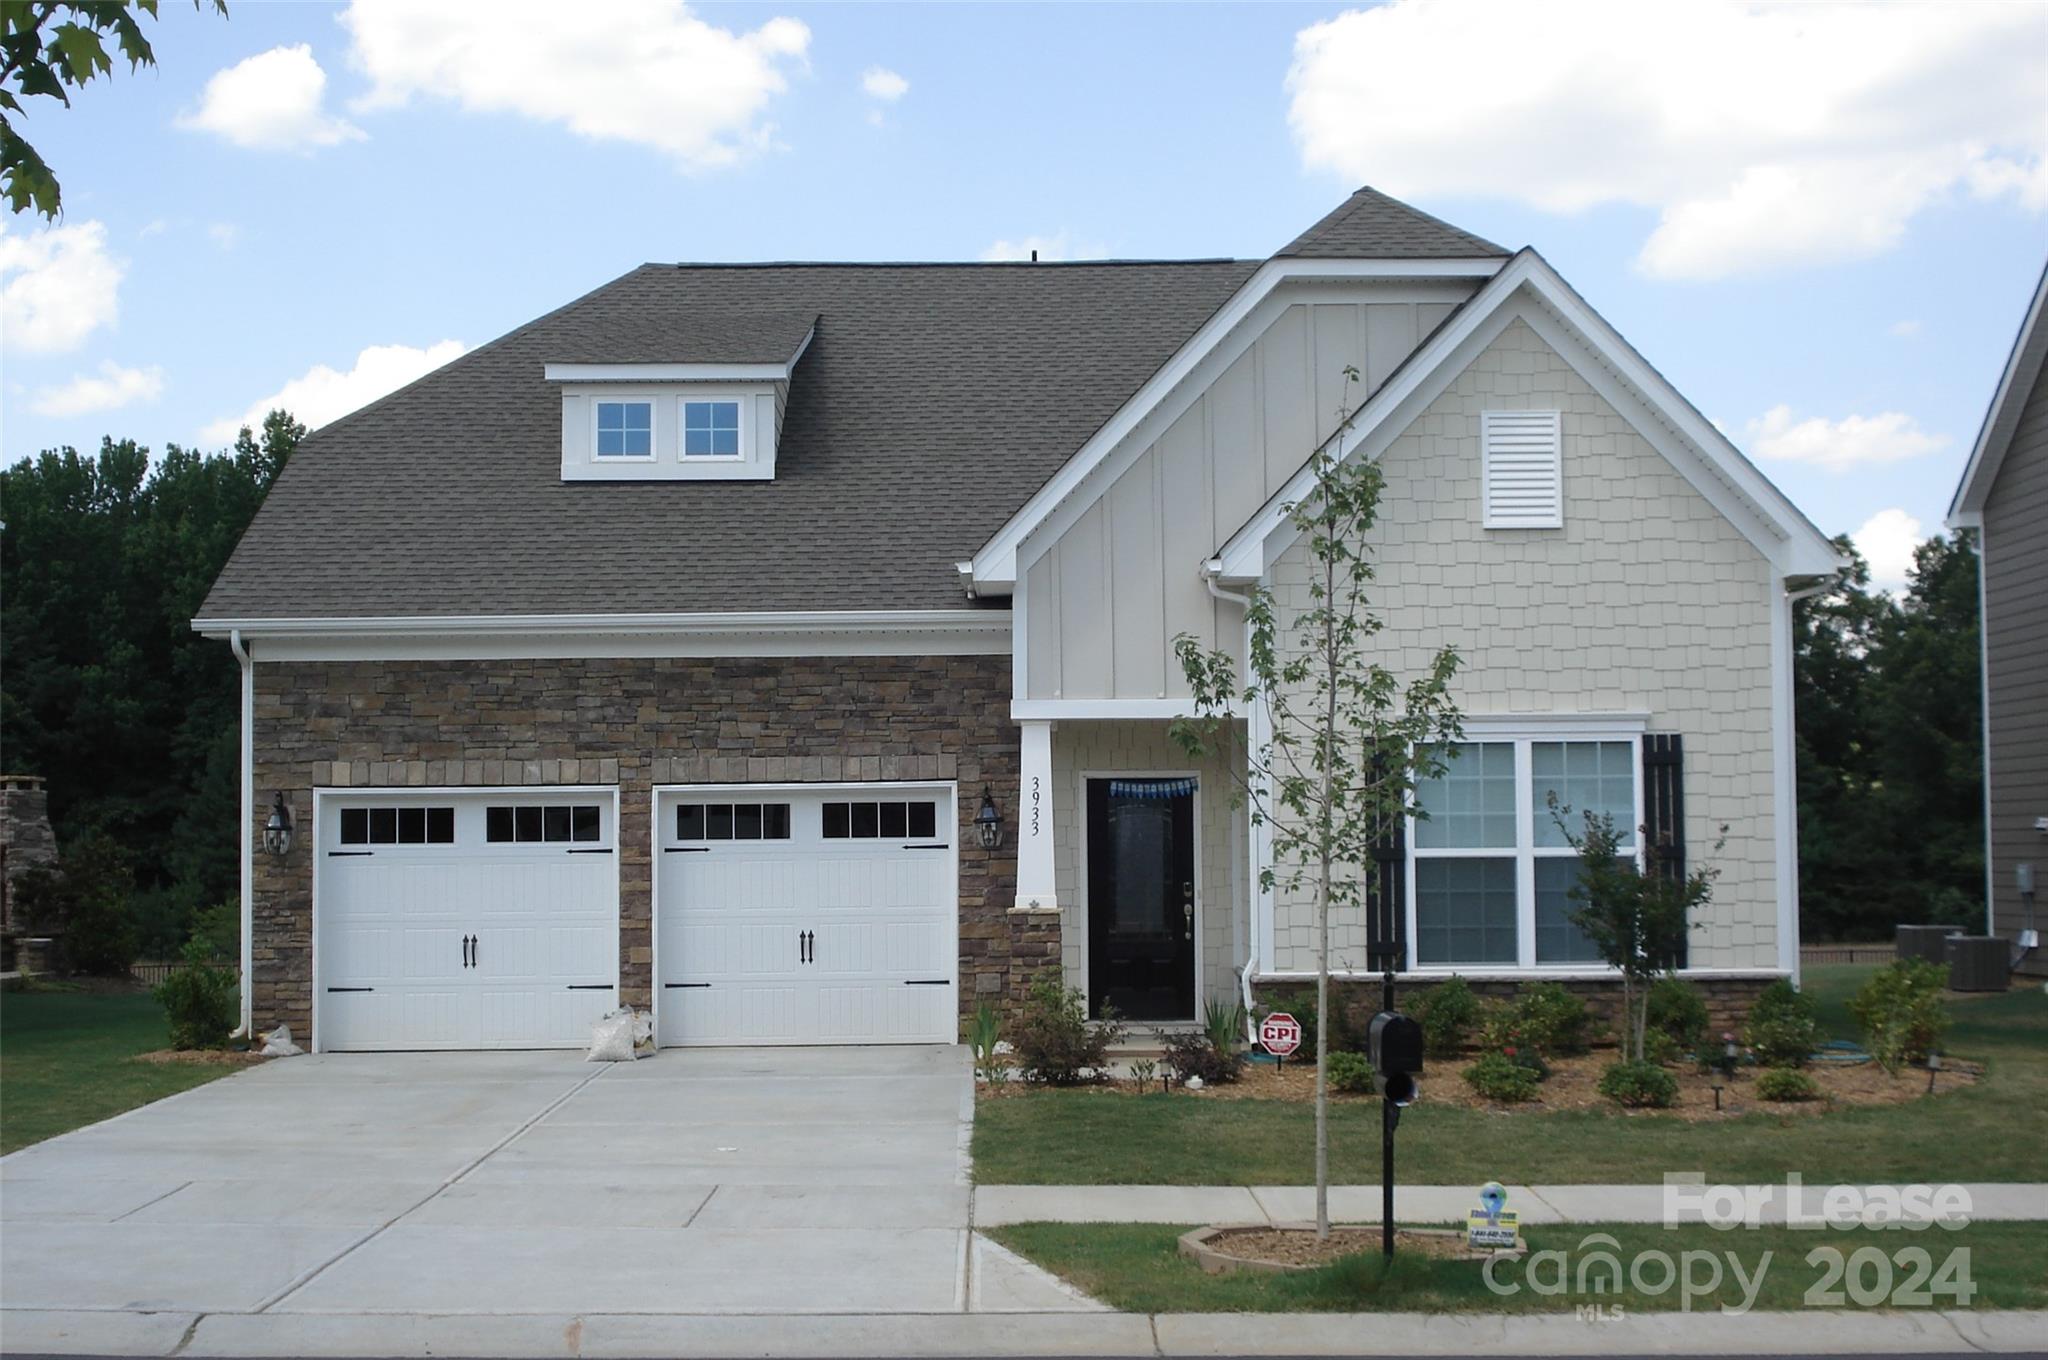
x=1521 y=456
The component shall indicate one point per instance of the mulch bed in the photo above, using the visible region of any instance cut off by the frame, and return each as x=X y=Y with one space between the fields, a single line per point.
x=1573 y=1083
x=203 y=1057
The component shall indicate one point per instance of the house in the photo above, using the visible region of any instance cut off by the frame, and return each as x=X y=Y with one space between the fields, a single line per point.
x=2004 y=497
x=680 y=648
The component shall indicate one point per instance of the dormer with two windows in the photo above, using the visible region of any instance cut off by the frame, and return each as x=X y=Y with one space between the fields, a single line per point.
x=699 y=399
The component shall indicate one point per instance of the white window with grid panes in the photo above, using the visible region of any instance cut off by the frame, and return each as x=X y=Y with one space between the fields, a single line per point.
x=1490 y=870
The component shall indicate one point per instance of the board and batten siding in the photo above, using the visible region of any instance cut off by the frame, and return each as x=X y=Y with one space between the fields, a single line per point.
x=1105 y=600
x=2015 y=566
x=1647 y=600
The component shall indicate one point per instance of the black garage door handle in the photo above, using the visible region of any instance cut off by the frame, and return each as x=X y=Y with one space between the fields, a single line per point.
x=351 y=989
x=590 y=986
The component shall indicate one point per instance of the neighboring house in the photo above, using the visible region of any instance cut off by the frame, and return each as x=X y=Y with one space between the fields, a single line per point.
x=667 y=650
x=2004 y=497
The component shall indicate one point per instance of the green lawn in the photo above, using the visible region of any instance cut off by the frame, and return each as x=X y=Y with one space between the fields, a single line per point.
x=65 y=1061
x=1986 y=1133
x=1137 y=1268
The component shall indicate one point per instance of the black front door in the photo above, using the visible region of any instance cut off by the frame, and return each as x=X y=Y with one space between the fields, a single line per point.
x=1141 y=898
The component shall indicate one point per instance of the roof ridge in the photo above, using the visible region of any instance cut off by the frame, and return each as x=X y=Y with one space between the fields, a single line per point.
x=940 y=264
x=1371 y=224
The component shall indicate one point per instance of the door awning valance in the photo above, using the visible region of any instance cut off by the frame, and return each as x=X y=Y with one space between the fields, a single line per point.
x=1151 y=788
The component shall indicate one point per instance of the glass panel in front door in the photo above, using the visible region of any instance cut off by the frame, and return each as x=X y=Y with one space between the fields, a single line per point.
x=1141 y=898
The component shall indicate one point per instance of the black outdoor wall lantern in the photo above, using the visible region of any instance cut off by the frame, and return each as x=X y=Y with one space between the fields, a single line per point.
x=277 y=832
x=988 y=823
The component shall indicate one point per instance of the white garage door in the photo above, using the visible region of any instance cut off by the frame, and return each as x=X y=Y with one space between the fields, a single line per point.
x=815 y=915
x=465 y=920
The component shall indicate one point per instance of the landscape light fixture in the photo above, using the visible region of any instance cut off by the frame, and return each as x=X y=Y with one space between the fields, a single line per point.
x=1933 y=1070
x=988 y=823
x=277 y=832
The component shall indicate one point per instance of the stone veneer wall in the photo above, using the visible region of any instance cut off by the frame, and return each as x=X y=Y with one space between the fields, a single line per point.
x=638 y=722
x=1728 y=998
x=25 y=835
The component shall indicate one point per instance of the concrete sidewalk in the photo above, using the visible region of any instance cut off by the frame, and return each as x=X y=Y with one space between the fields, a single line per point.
x=619 y=1336
x=996 y=1205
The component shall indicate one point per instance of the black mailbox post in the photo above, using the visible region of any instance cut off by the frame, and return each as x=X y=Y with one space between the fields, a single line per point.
x=1395 y=1043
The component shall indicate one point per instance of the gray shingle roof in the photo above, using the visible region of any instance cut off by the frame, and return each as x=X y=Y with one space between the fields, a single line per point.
x=1369 y=225
x=693 y=336
x=933 y=401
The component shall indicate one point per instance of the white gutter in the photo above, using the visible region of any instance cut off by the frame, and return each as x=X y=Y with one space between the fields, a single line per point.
x=248 y=664
x=1247 y=949
x=695 y=624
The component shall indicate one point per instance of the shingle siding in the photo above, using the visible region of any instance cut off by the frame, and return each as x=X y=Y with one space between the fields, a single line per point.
x=2015 y=565
x=1647 y=599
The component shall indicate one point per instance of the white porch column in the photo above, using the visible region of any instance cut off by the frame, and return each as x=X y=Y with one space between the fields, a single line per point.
x=1037 y=887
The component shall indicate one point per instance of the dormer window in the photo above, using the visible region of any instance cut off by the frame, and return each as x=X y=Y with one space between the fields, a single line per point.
x=696 y=397
x=711 y=429
x=625 y=429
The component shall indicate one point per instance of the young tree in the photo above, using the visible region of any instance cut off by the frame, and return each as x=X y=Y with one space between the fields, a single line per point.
x=1636 y=916
x=46 y=45
x=1349 y=737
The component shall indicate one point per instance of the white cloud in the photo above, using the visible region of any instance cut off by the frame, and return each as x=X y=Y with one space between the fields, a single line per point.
x=57 y=286
x=640 y=71
x=879 y=82
x=1787 y=135
x=1058 y=246
x=1903 y=330
x=1839 y=445
x=114 y=388
x=1887 y=540
x=322 y=394
x=226 y=235
x=271 y=102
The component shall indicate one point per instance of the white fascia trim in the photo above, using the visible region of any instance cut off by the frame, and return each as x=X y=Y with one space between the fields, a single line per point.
x=1058 y=710
x=995 y=565
x=1500 y=974
x=1746 y=496
x=886 y=632
x=2002 y=416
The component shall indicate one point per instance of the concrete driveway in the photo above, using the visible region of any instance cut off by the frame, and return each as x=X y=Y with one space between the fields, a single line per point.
x=703 y=1182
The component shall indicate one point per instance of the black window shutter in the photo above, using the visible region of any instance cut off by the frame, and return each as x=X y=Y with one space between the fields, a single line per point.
x=1387 y=909
x=1664 y=805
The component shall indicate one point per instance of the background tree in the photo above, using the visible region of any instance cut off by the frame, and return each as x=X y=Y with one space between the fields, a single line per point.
x=1890 y=745
x=46 y=45
x=106 y=690
x=1349 y=737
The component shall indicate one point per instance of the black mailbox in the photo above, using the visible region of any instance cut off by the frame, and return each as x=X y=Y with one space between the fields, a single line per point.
x=1396 y=1044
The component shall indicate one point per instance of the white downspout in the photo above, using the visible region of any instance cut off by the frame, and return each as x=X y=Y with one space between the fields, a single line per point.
x=1247 y=949
x=248 y=811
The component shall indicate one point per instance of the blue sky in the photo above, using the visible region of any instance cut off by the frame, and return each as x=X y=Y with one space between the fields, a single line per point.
x=1822 y=224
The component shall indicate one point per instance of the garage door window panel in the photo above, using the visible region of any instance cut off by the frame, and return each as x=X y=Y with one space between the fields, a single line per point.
x=398 y=826
x=882 y=820
x=699 y=822
x=543 y=824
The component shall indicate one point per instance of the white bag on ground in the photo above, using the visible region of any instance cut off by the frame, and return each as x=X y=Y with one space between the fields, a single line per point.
x=611 y=1038
x=278 y=1043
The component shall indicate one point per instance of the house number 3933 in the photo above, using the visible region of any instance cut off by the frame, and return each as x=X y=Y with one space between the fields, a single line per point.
x=1036 y=800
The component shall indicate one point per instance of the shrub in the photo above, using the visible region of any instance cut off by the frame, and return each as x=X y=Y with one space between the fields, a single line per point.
x=1224 y=1023
x=1056 y=1045
x=199 y=1000
x=984 y=1032
x=83 y=901
x=1785 y=1084
x=1900 y=1012
x=1528 y=1059
x=1660 y=1048
x=1300 y=1002
x=1639 y=1085
x=1350 y=1072
x=1447 y=1012
x=1782 y=1030
x=1190 y=1053
x=1499 y=1077
x=1679 y=1013
x=1553 y=1018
